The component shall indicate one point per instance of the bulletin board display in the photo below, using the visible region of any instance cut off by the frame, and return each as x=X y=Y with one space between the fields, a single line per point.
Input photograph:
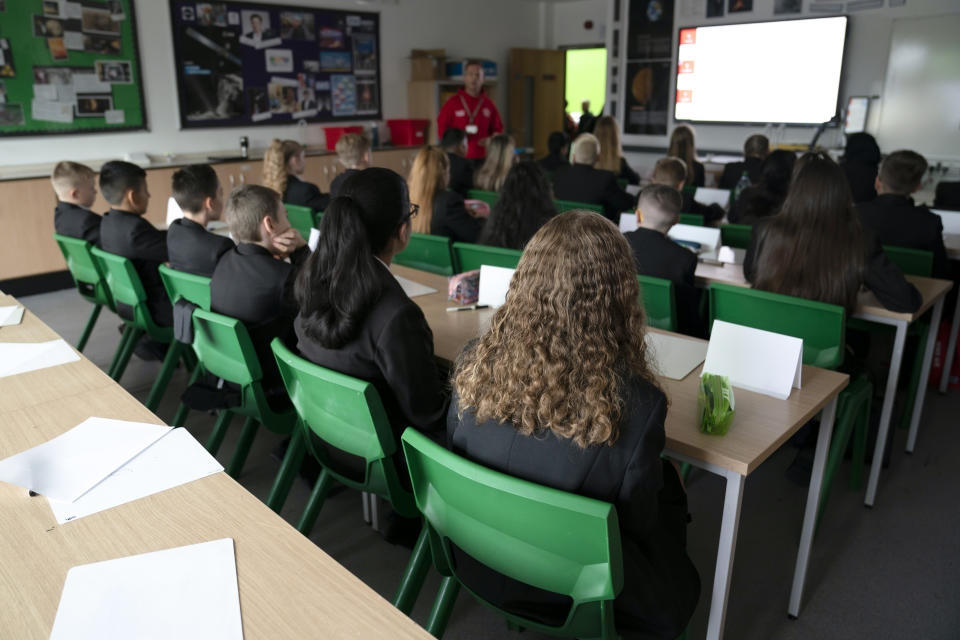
x=69 y=66
x=243 y=64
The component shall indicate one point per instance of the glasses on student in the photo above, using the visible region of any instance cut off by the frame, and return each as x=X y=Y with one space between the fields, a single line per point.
x=414 y=209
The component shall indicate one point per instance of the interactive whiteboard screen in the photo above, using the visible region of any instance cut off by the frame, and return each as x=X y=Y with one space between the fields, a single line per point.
x=777 y=72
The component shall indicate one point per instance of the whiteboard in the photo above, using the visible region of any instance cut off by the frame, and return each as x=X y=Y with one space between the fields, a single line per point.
x=920 y=103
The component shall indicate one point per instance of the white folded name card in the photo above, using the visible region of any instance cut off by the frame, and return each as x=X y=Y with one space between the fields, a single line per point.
x=755 y=360
x=708 y=237
x=628 y=222
x=494 y=282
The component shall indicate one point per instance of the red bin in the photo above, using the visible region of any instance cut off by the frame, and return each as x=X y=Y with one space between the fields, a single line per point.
x=332 y=134
x=408 y=133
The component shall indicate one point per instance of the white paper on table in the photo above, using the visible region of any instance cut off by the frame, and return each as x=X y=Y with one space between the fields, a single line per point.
x=73 y=40
x=494 y=283
x=755 y=360
x=633 y=189
x=74 y=462
x=46 y=92
x=114 y=116
x=675 y=357
x=51 y=111
x=314 y=239
x=951 y=241
x=90 y=83
x=950 y=219
x=706 y=195
x=188 y=593
x=174 y=212
x=708 y=237
x=10 y=316
x=414 y=289
x=628 y=222
x=21 y=357
x=175 y=459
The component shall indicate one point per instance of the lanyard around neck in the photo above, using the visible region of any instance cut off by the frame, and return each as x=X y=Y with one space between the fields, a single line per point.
x=472 y=114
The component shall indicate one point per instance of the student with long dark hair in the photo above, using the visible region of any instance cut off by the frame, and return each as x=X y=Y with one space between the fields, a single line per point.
x=860 y=164
x=816 y=248
x=764 y=198
x=354 y=316
x=525 y=205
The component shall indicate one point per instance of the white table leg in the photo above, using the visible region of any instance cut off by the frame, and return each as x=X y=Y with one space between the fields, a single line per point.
x=813 y=507
x=729 y=528
x=893 y=376
x=365 y=500
x=924 y=376
x=951 y=347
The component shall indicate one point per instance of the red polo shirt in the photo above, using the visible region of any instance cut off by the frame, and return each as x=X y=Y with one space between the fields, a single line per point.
x=457 y=113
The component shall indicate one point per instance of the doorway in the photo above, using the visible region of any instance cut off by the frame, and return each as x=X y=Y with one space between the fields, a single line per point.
x=586 y=79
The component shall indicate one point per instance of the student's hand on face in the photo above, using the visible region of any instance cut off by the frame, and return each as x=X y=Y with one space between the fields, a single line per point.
x=287 y=242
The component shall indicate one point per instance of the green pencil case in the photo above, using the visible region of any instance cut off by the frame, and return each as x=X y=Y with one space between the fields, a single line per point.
x=715 y=401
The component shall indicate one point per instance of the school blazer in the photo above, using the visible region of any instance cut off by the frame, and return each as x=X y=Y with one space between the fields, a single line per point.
x=74 y=221
x=193 y=249
x=583 y=183
x=461 y=174
x=897 y=221
x=661 y=585
x=733 y=171
x=754 y=204
x=129 y=235
x=553 y=162
x=451 y=219
x=393 y=350
x=305 y=194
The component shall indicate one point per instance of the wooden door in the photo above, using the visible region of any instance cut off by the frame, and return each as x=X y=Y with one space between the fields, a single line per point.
x=536 y=96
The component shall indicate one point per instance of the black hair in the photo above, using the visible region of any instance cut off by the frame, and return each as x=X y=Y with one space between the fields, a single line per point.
x=862 y=148
x=339 y=282
x=525 y=205
x=117 y=177
x=556 y=142
x=452 y=137
x=193 y=184
x=776 y=171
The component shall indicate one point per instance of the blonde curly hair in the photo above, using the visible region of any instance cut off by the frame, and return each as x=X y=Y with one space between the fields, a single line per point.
x=275 y=161
x=571 y=332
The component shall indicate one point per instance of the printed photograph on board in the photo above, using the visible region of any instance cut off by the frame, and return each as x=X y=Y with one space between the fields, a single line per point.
x=93 y=105
x=295 y=25
x=364 y=54
x=114 y=71
x=648 y=88
x=11 y=115
x=212 y=14
x=367 y=102
x=343 y=93
x=212 y=74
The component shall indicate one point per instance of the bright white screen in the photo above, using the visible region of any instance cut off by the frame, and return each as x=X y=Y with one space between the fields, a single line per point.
x=774 y=72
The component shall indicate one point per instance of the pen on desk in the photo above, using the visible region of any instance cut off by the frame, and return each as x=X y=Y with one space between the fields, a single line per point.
x=469 y=307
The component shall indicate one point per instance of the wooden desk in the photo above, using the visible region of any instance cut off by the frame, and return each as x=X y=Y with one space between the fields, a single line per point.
x=762 y=424
x=289 y=588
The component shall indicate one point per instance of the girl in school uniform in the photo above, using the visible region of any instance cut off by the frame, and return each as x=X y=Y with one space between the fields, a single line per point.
x=559 y=391
x=283 y=164
x=683 y=146
x=442 y=212
x=525 y=205
x=611 y=153
x=500 y=157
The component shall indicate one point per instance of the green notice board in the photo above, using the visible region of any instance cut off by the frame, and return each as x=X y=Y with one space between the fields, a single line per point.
x=69 y=66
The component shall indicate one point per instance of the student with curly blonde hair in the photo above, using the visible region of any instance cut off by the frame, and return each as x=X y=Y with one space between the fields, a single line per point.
x=500 y=157
x=559 y=391
x=283 y=164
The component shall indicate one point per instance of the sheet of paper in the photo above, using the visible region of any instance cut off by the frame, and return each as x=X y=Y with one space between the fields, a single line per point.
x=708 y=237
x=21 y=357
x=494 y=283
x=628 y=222
x=51 y=111
x=675 y=357
x=175 y=459
x=74 y=462
x=413 y=289
x=89 y=83
x=45 y=92
x=633 y=189
x=114 y=116
x=10 y=316
x=315 y=238
x=188 y=593
x=762 y=361
x=174 y=212
x=706 y=195
x=951 y=241
x=950 y=219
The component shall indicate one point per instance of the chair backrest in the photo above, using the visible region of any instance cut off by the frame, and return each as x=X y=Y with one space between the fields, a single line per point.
x=467 y=257
x=913 y=262
x=569 y=205
x=427 y=253
x=179 y=284
x=346 y=413
x=553 y=540
x=301 y=218
x=694 y=219
x=224 y=348
x=622 y=183
x=821 y=326
x=659 y=302
x=736 y=235
x=84 y=270
x=490 y=197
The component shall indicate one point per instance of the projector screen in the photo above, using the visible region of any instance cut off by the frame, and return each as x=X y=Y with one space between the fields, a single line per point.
x=763 y=72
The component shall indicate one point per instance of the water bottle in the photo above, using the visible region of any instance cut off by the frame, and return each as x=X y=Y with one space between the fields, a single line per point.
x=742 y=184
x=244 y=146
x=374 y=136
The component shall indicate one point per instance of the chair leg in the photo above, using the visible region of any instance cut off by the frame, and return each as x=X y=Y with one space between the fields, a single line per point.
x=442 y=607
x=124 y=337
x=128 y=347
x=183 y=410
x=860 y=447
x=163 y=377
x=315 y=503
x=88 y=328
x=288 y=470
x=189 y=358
x=247 y=434
x=219 y=431
x=413 y=575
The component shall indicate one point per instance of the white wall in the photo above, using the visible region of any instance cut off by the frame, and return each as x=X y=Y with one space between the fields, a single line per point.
x=465 y=28
x=566 y=20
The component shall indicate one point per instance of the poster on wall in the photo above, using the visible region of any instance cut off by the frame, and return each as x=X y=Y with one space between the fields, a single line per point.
x=243 y=63
x=649 y=49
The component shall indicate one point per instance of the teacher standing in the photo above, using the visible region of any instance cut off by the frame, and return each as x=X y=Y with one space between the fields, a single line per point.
x=472 y=111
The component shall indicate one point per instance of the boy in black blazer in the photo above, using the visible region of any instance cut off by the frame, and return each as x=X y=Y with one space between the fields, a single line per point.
x=454 y=144
x=76 y=187
x=124 y=232
x=192 y=248
x=893 y=216
x=658 y=256
x=581 y=182
x=672 y=172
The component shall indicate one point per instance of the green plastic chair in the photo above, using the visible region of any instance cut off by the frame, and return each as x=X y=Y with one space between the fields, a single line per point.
x=126 y=289
x=694 y=219
x=553 y=540
x=302 y=218
x=467 y=257
x=659 y=302
x=821 y=326
x=913 y=262
x=689 y=189
x=569 y=205
x=490 y=197
x=88 y=279
x=427 y=253
x=346 y=413
x=736 y=235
